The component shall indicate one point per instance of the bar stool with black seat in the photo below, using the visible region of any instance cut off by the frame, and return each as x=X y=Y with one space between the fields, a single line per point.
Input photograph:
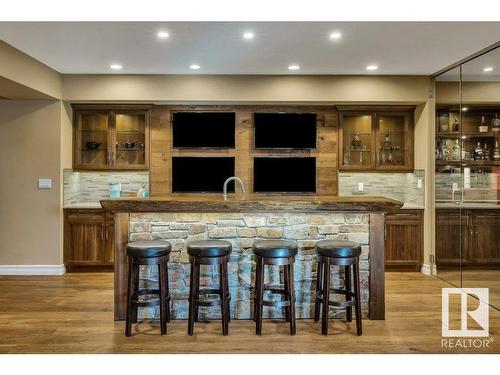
x=148 y=253
x=341 y=253
x=209 y=252
x=281 y=253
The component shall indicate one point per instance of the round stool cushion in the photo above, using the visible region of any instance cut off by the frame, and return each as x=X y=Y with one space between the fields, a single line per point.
x=209 y=248
x=275 y=248
x=149 y=249
x=338 y=248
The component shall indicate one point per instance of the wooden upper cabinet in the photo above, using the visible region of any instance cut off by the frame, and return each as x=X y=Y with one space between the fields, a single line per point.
x=376 y=140
x=110 y=137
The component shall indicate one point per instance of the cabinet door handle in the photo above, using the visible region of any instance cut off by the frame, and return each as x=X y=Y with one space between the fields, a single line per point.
x=106 y=233
x=102 y=232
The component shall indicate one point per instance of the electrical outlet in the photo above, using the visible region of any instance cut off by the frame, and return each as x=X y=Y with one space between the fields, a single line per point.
x=45 y=183
x=419 y=183
x=361 y=186
x=455 y=186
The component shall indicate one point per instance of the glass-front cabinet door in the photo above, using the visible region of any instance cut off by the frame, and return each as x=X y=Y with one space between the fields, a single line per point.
x=91 y=140
x=107 y=137
x=378 y=139
x=130 y=139
x=356 y=146
x=394 y=141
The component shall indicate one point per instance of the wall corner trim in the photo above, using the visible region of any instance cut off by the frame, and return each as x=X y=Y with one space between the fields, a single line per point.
x=32 y=269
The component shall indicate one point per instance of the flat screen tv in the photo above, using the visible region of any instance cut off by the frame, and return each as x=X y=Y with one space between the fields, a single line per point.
x=285 y=175
x=203 y=129
x=201 y=174
x=285 y=130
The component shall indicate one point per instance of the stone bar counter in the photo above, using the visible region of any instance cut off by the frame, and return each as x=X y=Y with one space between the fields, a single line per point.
x=241 y=220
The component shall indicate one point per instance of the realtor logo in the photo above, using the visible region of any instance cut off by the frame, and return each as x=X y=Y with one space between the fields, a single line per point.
x=479 y=315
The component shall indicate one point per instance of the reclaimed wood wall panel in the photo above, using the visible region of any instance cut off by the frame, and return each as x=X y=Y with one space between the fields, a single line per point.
x=162 y=149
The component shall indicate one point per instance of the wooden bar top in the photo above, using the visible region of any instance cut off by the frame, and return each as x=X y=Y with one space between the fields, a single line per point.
x=252 y=203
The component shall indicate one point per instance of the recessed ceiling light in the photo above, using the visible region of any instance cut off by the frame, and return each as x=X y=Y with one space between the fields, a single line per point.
x=335 y=35
x=248 y=35
x=465 y=109
x=194 y=66
x=294 y=67
x=163 y=34
x=488 y=69
x=372 y=67
x=115 y=66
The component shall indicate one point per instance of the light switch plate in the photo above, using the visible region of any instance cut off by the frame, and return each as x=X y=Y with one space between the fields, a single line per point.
x=419 y=183
x=361 y=186
x=45 y=183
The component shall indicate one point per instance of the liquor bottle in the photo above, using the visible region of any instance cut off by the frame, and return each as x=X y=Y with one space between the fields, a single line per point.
x=456 y=126
x=455 y=151
x=496 y=151
x=495 y=124
x=478 y=152
x=486 y=152
x=444 y=151
x=438 y=151
x=483 y=128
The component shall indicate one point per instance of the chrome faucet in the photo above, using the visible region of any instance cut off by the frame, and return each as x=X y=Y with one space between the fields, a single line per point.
x=234 y=178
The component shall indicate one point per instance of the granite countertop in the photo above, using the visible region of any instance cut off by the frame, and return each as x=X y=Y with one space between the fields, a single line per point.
x=412 y=206
x=252 y=202
x=83 y=205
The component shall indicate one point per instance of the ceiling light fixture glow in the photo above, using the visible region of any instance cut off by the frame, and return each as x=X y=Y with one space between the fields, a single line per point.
x=163 y=34
x=294 y=67
x=335 y=35
x=488 y=69
x=115 y=66
x=372 y=67
x=248 y=35
x=194 y=66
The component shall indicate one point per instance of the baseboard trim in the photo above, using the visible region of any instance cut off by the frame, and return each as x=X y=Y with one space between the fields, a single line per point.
x=426 y=269
x=32 y=270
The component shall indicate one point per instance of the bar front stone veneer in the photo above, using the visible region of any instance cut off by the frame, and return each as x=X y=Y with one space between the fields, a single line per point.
x=360 y=222
x=242 y=229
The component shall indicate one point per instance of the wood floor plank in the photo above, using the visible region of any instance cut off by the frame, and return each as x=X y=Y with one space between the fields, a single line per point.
x=73 y=313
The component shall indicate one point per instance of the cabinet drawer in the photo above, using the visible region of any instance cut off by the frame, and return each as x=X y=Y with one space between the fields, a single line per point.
x=75 y=216
x=404 y=216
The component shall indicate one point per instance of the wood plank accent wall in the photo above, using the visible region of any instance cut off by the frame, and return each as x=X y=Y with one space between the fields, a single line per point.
x=162 y=149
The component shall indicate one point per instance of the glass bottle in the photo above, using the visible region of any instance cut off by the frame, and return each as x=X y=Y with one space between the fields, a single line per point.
x=444 y=151
x=478 y=152
x=483 y=128
x=496 y=151
x=495 y=123
x=455 y=151
x=486 y=152
x=456 y=126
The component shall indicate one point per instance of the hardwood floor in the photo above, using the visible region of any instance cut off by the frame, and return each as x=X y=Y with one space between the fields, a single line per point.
x=73 y=314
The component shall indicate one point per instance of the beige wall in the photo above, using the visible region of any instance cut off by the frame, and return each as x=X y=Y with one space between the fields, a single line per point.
x=247 y=89
x=30 y=219
x=49 y=123
x=25 y=70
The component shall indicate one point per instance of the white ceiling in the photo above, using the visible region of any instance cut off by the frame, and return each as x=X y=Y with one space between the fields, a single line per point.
x=419 y=48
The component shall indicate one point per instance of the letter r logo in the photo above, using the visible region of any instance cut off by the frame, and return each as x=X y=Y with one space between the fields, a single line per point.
x=479 y=315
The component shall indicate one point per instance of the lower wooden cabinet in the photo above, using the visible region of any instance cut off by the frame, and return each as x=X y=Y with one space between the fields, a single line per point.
x=88 y=238
x=470 y=237
x=404 y=240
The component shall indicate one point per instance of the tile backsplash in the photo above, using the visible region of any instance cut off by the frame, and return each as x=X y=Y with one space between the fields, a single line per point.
x=399 y=186
x=90 y=187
